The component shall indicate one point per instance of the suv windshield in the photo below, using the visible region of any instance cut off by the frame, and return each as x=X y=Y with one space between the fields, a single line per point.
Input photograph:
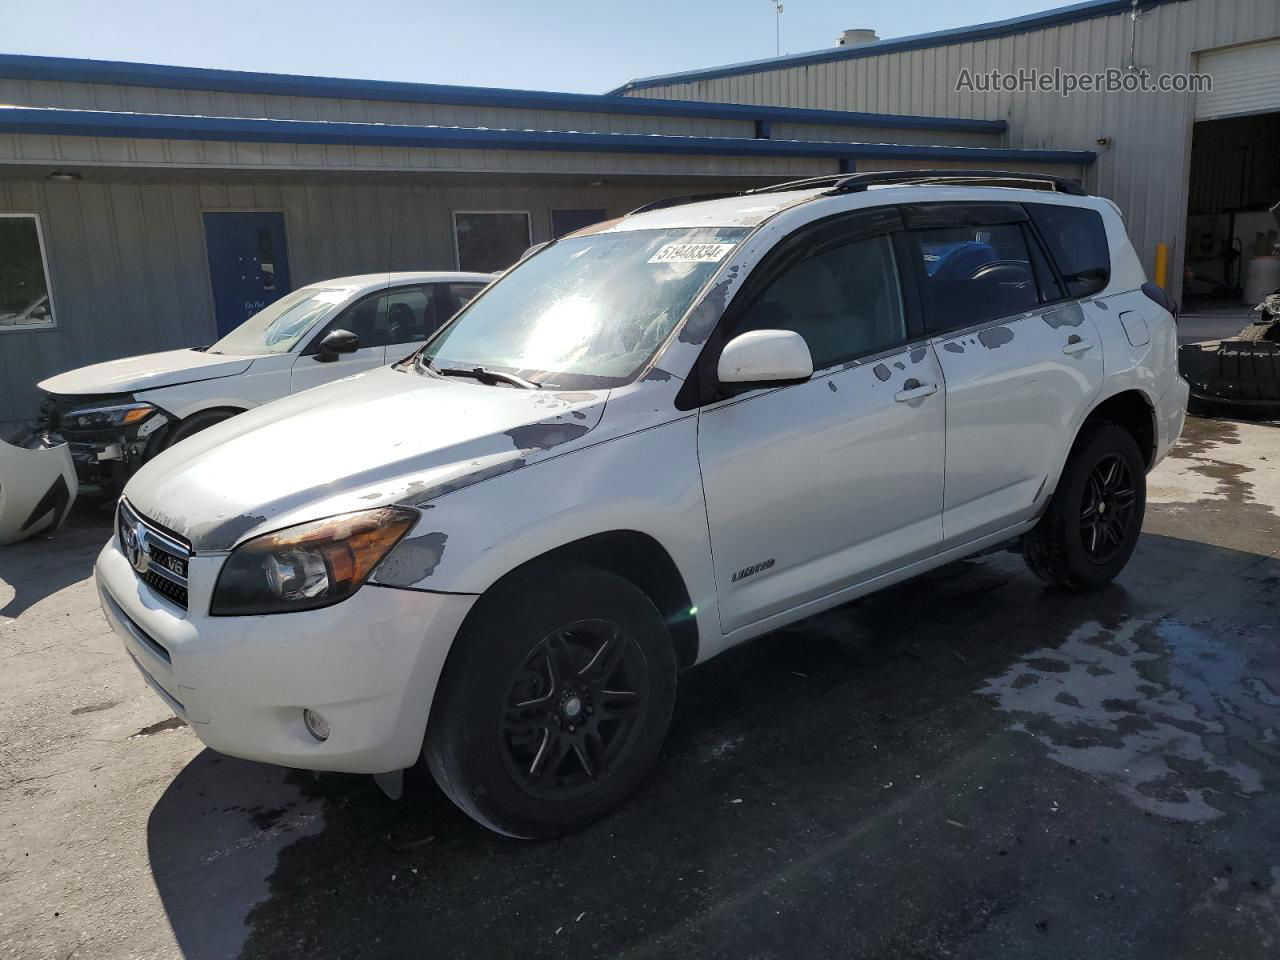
x=278 y=327
x=586 y=312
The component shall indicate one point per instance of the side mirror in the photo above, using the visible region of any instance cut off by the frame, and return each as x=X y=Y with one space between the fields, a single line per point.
x=337 y=342
x=764 y=358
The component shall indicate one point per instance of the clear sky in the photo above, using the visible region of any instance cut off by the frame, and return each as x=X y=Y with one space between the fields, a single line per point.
x=572 y=45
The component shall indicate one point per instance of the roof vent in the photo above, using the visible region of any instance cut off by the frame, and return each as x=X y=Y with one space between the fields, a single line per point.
x=853 y=37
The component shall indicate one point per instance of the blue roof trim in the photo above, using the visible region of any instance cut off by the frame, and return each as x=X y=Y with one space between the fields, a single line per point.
x=100 y=123
x=65 y=69
x=982 y=31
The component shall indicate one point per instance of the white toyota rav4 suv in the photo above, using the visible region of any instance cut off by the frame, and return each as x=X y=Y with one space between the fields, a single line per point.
x=648 y=442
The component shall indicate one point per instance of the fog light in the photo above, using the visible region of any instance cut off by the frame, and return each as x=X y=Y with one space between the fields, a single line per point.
x=317 y=725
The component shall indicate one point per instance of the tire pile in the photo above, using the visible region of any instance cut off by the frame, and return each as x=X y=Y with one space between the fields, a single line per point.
x=1239 y=375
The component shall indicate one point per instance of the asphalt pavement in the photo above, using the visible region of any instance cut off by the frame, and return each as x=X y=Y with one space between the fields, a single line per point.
x=968 y=765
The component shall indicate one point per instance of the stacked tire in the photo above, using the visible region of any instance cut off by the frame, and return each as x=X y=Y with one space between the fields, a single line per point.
x=1240 y=376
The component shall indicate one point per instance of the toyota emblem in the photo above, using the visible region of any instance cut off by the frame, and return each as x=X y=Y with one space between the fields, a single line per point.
x=136 y=547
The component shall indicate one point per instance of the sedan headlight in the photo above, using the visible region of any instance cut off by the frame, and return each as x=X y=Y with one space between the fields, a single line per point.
x=311 y=565
x=99 y=418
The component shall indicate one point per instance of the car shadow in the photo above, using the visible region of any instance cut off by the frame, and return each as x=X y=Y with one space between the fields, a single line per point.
x=819 y=793
x=42 y=565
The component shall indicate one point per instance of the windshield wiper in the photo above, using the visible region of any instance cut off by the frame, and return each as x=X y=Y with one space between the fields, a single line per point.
x=487 y=376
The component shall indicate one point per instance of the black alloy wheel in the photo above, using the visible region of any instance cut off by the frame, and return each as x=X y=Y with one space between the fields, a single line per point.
x=1108 y=509
x=571 y=713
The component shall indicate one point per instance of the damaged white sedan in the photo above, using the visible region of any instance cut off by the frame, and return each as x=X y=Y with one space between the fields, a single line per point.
x=647 y=442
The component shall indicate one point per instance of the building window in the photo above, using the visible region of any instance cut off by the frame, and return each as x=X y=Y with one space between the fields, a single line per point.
x=490 y=240
x=25 y=300
x=566 y=221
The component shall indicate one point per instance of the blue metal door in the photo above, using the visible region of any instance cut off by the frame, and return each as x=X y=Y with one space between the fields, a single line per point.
x=248 y=264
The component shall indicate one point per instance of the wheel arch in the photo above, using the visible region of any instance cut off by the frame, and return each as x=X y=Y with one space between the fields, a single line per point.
x=1134 y=410
x=636 y=557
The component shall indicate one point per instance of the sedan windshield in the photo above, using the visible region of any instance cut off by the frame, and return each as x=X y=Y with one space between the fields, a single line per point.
x=278 y=327
x=586 y=312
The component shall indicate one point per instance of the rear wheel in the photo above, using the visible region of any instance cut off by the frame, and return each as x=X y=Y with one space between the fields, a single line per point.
x=554 y=703
x=1091 y=526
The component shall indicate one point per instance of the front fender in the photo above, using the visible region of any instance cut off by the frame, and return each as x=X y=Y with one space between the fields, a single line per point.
x=646 y=482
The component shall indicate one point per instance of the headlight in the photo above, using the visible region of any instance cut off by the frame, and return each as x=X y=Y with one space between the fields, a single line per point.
x=308 y=566
x=116 y=415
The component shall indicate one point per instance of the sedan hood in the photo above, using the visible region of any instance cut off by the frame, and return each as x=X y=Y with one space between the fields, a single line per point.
x=387 y=436
x=151 y=370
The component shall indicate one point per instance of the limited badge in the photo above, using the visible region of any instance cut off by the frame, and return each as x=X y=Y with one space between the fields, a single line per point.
x=692 y=253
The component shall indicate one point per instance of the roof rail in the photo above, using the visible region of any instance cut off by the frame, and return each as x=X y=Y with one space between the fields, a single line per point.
x=857 y=182
x=678 y=201
x=809 y=183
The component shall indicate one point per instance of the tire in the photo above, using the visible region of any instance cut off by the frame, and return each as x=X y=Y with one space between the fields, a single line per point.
x=1264 y=330
x=510 y=742
x=195 y=423
x=1058 y=549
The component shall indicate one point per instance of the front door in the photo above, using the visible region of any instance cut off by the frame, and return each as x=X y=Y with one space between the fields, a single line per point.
x=248 y=266
x=1021 y=362
x=817 y=486
x=367 y=319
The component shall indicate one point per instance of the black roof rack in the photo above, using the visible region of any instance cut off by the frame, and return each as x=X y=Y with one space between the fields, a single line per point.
x=678 y=201
x=857 y=182
x=838 y=183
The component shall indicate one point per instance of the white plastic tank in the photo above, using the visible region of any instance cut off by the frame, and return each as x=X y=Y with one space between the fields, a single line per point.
x=1261 y=277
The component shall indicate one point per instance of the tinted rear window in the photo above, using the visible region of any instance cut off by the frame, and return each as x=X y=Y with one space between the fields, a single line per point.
x=1077 y=241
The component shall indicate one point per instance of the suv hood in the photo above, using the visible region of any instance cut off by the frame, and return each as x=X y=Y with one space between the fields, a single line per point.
x=383 y=437
x=151 y=370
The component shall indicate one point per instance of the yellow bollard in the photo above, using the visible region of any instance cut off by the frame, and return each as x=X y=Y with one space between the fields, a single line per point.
x=1162 y=265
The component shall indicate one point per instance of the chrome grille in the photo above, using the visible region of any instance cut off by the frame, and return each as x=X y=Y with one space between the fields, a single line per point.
x=165 y=567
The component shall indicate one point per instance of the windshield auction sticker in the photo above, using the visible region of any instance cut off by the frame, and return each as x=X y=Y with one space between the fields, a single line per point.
x=692 y=253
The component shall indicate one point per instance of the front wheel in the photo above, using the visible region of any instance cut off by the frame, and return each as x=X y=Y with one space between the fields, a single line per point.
x=1091 y=526
x=553 y=704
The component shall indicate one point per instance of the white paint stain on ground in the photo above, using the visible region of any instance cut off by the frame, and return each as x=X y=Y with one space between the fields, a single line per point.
x=1148 y=708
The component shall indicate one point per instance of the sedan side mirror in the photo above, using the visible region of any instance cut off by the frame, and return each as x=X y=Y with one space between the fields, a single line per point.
x=764 y=358
x=337 y=342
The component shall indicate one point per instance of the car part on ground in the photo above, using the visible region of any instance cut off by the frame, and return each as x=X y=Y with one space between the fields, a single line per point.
x=1239 y=375
x=1267 y=326
x=37 y=486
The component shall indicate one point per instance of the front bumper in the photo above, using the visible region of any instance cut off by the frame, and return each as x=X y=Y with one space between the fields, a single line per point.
x=369 y=665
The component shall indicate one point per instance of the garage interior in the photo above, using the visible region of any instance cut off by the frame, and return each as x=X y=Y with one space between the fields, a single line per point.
x=1232 y=231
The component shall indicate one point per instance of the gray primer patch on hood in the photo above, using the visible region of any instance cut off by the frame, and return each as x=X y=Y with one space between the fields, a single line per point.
x=953 y=347
x=223 y=534
x=881 y=371
x=900 y=365
x=1070 y=315
x=831 y=385
x=412 y=561
x=995 y=337
x=419 y=493
x=657 y=374
x=544 y=436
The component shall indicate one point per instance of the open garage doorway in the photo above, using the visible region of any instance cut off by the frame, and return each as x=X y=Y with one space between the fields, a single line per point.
x=1231 y=230
x=1232 y=259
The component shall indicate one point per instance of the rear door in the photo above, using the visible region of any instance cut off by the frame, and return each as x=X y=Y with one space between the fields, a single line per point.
x=1020 y=358
x=812 y=487
x=367 y=319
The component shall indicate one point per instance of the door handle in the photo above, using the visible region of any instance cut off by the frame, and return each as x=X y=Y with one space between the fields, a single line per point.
x=918 y=392
x=1076 y=345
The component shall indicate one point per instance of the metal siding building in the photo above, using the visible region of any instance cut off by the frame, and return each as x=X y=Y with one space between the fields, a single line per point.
x=120 y=164
x=1145 y=164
